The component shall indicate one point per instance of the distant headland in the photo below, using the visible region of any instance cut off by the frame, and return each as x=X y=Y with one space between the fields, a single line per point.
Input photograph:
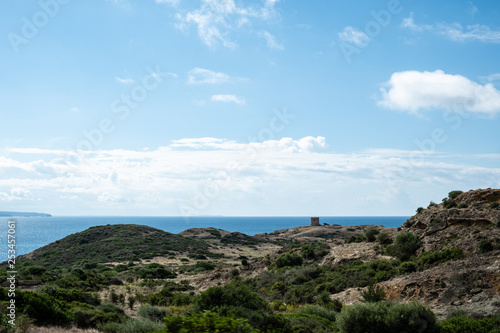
x=18 y=214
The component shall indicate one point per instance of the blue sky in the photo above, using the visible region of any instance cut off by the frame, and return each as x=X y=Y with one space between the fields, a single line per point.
x=226 y=107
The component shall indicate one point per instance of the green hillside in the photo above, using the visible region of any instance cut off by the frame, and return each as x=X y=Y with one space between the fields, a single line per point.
x=108 y=243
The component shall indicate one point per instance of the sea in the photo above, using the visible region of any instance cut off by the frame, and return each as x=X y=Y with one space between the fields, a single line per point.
x=32 y=233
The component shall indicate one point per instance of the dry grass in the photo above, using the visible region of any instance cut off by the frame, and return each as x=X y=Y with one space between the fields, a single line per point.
x=54 y=329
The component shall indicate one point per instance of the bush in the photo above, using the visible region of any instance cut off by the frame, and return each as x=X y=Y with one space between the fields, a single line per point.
x=289 y=260
x=459 y=324
x=405 y=246
x=383 y=317
x=407 y=267
x=485 y=246
x=207 y=322
x=156 y=271
x=151 y=312
x=356 y=238
x=453 y=194
x=131 y=326
x=429 y=259
x=373 y=294
x=231 y=294
x=494 y=205
x=311 y=318
x=383 y=238
x=371 y=234
x=420 y=210
x=314 y=250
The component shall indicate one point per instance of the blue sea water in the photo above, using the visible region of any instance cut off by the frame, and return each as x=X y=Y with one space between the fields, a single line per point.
x=35 y=232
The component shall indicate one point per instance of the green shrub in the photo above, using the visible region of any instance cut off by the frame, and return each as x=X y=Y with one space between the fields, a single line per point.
x=151 y=312
x=314 y=250
x=207 y=322
x=432 y=204
x=43 y=309
x=383 y=317
x=312 y=319
x=155 y=271
x=35 y=270
x=371 y=234
x=485 y=246
x=494 y=205
x=231 y=294
x=453 y=194
x=383 y=238
x=420 y=210
x=405 y=246
x=407 y=267
x=373 y=294
x=429 y=259
x=356 y=238
x=289 y=260
x=459 y=324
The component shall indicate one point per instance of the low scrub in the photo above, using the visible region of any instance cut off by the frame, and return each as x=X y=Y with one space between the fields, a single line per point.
x=383 y=317
x=430 y=259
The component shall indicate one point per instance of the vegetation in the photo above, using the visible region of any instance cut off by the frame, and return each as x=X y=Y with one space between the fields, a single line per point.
x=387 y=317
x=293 y=293
x=371 y=234
x=373 y=294
x=404 y=247
x=429 y=259
x=123 y=242
x=485 y=246
x=207 y=322
x=462 y=323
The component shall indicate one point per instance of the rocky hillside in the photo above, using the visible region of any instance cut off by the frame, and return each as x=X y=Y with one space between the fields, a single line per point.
x=469 y=221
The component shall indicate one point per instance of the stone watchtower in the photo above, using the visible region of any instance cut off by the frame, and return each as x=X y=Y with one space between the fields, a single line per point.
x=314 y=221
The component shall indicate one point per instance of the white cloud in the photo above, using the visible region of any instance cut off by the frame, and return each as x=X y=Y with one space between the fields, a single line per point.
x=284 y=176
x=125 y=80
x=216 y=19
x=455 y=31
x=228 y=99
x=491 y=78
x=413 y=91
x=477 y=32
x=409 y=23
x=206 y=76
x=271 y=41
x=354 y=36
x=74 y=109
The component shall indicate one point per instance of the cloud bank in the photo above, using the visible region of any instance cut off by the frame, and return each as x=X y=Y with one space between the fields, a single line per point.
x=220 y=176
x=414 y=91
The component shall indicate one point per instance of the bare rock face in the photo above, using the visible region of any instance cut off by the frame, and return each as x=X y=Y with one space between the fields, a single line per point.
x=347 y=253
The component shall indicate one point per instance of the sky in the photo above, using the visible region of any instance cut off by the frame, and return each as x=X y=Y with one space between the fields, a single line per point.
x=246 y=108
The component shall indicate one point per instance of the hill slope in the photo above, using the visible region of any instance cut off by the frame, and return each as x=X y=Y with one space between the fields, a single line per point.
x=122 y=242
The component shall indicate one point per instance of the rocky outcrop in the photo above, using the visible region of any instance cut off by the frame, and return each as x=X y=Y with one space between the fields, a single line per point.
x=346 y=253
x=461 y=221
x=472 y=284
